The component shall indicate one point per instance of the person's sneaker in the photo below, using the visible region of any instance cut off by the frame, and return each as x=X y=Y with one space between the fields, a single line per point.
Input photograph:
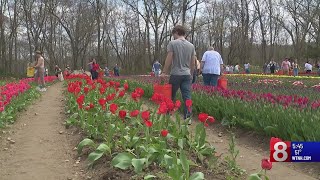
x=43 y=90
x=38 y=88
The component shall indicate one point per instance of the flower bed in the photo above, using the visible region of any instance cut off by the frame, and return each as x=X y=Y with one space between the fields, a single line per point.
x=135 y=136
x=14 y=96
x=287 y=117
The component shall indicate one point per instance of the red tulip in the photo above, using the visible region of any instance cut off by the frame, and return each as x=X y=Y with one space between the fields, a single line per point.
x=102 y=90
x=148 y=123
x=110 y=97
x=266 y=164
x=134 y=113
x=102 y=102
x=211 y=119
x=178 y=104
x=145 y=115
x=188 y=104
x=203 y=117
x=122 y=114
x=86 y=89
x=113 y=108
x=126 y=86
x=122 y=93
x=134 y=96
x=91 y=105
x=164 y=133
x=163 y=108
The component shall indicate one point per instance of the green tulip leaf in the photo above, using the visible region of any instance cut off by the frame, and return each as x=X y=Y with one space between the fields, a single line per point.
x=197 y=176
x=83 y=143
x=149 y=177
x=138 y=164
x=122 y=160
x=184 y=162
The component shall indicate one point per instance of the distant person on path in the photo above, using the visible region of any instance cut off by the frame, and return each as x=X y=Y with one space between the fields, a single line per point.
x=57 y=70
x=236 y=68
x=295 y=68
x=116 y=70
x=95 y=69
x=308 y=67
x=247 y=68
x=286 y=66
x=106 y=71
x=90 y=67
x=272 y=67
x=265 y=68
x=318 y=67
x=156 y=68
x=211 y=66
x=181 y=57
x=40 y=71
x=196 y=71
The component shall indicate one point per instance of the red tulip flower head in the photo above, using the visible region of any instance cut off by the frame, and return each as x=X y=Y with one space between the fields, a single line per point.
x=122 y=114
x=164 y=133
x=148 y=123
x=145 y=115
x=113 y=108
x=266 y=164
x=134 y=113
x=189 y=104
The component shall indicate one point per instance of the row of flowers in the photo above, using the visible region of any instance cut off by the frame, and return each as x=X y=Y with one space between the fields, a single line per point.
x=285 y=100
x=16 y=96
x=287 y=117
x=13 y=89
x=148 y=139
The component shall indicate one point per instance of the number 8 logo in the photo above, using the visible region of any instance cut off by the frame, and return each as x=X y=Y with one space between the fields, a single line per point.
x=280 y=151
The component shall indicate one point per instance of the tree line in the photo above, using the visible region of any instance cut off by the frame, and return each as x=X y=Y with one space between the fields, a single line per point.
x=134 y=33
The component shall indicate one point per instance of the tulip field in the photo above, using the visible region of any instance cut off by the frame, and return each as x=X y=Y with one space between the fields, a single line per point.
x=15 y=96
x=140 y=134
x=135 y=136
x=284 y=107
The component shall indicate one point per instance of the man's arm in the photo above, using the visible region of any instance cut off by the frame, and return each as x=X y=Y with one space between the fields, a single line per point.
x=168 y=62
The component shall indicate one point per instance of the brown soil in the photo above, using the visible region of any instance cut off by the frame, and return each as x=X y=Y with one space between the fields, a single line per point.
x=44 y=149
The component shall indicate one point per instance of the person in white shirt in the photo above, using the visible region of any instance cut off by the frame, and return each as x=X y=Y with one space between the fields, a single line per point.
x=308 y=67
x=211 y=66
x=247 y=68
x=236 y=68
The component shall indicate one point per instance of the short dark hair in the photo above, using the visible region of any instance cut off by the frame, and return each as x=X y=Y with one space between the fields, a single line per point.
x=180 y=30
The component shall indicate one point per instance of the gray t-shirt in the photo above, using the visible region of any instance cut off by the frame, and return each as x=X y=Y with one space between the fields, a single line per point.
x=183 y=53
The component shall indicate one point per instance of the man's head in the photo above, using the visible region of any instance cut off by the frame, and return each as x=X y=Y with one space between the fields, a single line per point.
x=38 y=54
x=178 y=31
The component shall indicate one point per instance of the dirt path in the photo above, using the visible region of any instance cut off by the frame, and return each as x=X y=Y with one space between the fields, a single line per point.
x=41 y=150
x=251 y=153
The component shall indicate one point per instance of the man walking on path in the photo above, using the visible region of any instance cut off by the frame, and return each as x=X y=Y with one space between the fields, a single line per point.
x=156 y=68
x=116 y=70
x=181 y=58
x=40 y=71
x=211 y=66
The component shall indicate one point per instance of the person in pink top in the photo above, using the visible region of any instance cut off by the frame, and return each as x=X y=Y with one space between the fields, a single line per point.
x=286 y=66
